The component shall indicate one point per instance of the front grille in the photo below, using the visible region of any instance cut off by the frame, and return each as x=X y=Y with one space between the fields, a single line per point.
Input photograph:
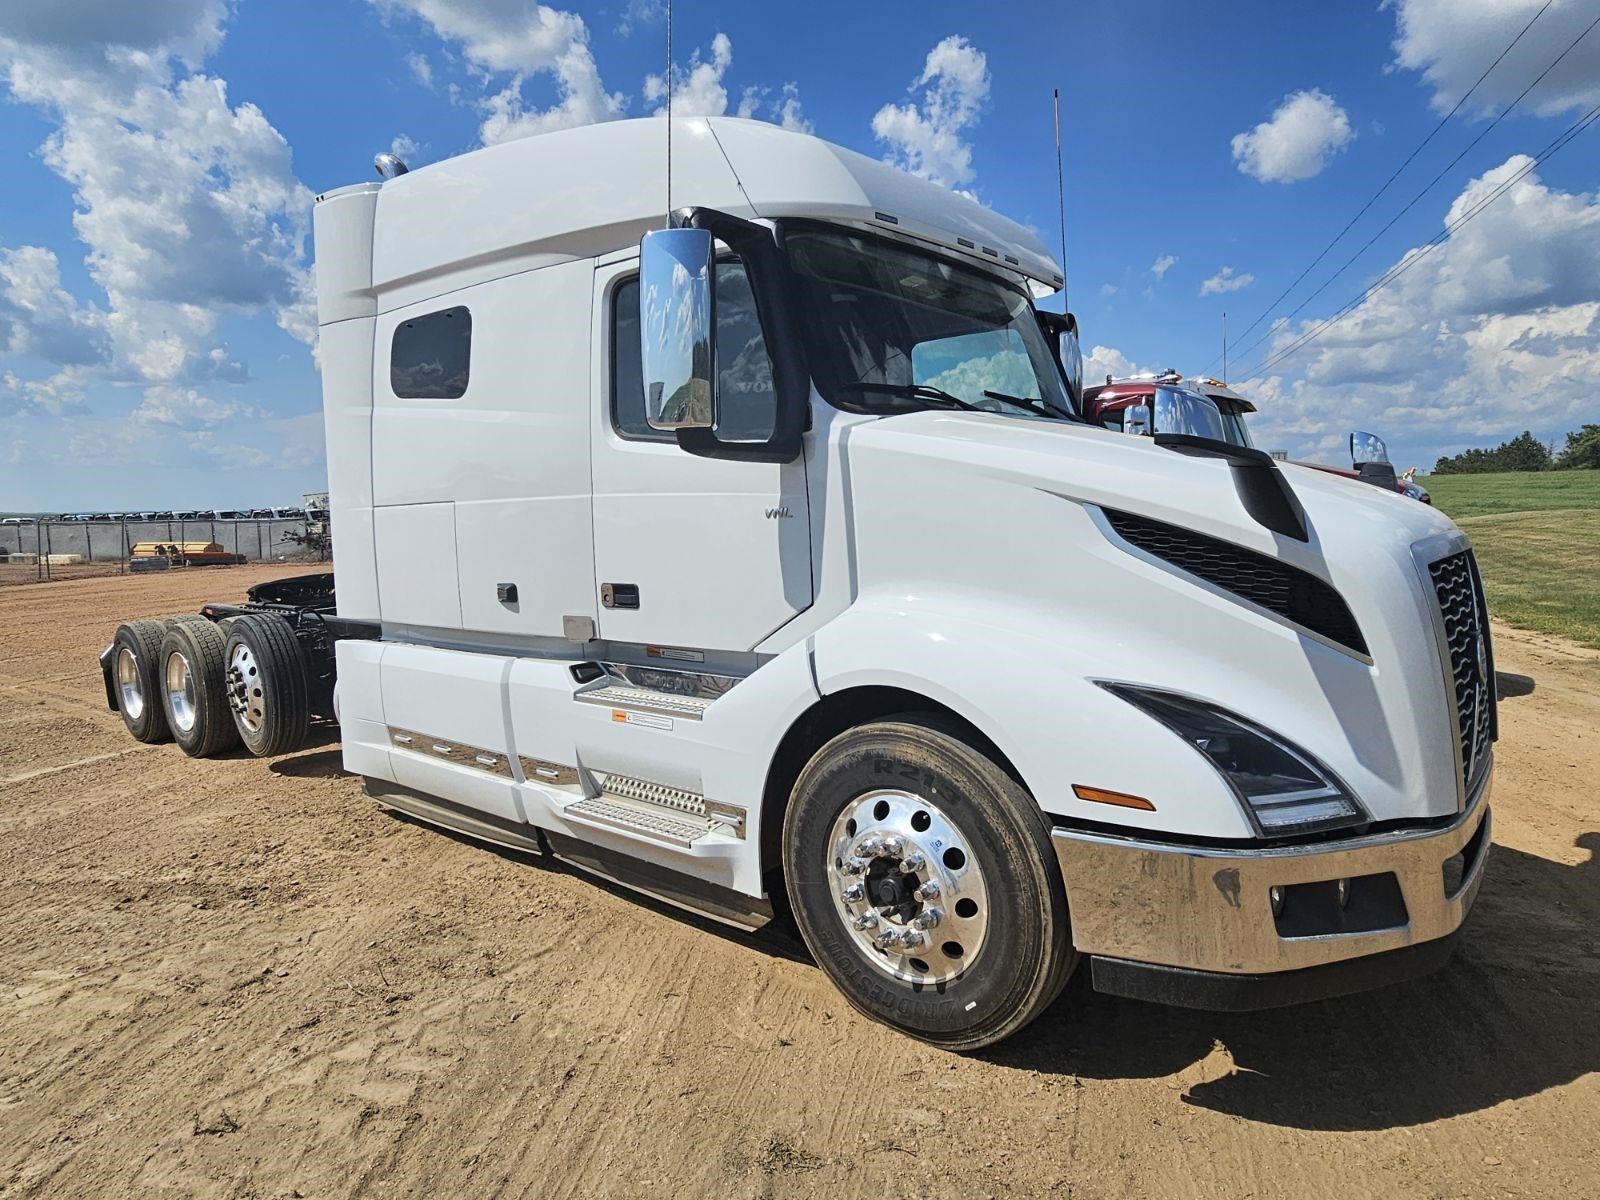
x=1296 y=595
x=1466 y=632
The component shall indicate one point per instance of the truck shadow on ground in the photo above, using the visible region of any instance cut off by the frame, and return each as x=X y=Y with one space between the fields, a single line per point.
x=1513 y=1014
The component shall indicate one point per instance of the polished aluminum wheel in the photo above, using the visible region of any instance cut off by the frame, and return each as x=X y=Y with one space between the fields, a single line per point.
x=907 y=886
x=182 y=703
x=245 y=694
x=129 y=694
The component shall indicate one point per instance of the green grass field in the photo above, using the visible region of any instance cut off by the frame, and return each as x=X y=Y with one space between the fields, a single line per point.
x=1537 y=537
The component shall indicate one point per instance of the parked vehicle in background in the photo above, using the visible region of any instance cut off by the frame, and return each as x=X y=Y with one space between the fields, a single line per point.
x=767 y=554
x=1165 y=402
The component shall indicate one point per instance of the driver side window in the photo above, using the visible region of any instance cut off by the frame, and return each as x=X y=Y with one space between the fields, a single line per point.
x=970 y=364
x=748 y=409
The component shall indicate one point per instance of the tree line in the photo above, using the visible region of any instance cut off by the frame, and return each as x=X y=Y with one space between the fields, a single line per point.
x=1527 y=453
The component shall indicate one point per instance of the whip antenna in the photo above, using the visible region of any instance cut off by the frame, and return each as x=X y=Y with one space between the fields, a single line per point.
x=669 y=114
x=1061 y=202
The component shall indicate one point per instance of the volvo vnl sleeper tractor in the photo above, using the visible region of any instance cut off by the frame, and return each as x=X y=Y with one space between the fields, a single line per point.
x=758 y=557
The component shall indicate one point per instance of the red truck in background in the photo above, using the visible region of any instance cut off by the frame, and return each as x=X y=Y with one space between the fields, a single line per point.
x=1169 y=403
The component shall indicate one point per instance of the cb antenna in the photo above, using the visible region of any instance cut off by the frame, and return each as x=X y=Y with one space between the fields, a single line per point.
x=669 y=114
x=1061 y=203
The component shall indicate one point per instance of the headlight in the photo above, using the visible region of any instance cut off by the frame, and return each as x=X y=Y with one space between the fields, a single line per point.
x=1282 y=788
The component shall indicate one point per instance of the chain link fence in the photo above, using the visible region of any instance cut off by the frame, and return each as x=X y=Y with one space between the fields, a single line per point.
x=37 y=551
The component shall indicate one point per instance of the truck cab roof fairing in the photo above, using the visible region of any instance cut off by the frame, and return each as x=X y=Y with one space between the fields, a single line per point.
x=579 y=193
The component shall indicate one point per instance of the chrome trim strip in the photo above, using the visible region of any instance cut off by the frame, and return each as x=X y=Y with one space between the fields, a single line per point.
x=1207 y=908
x=476 y=757
x=537 y=770
x=729 y=816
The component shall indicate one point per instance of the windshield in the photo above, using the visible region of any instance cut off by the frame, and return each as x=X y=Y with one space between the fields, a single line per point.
x=890 y=329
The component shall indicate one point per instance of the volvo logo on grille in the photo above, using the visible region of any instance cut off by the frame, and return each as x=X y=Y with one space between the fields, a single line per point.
x=1482 y=662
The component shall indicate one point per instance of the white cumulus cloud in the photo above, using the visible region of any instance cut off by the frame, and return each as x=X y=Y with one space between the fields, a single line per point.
x=1163 y=264
x=1495 y=331
x=1296 y=141
x=696 y=91
x=521 y=39
x=1450 y=41
x=188 y=206
x=927 y=136
x=1226 y=280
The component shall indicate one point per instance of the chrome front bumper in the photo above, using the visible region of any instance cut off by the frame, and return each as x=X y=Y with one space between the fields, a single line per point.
x=1209 y=910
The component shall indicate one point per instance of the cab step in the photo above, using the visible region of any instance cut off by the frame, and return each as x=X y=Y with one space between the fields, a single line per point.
x=657 y=811
x=643 y=820
x=638 y=699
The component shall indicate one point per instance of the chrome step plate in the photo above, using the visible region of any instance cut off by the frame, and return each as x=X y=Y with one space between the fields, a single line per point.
x=621 y=695
x=645 y=820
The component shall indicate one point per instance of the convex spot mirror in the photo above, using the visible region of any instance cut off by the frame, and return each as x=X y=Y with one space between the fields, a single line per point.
x=677 y=317
x=1367 y=448
x=1136 y=420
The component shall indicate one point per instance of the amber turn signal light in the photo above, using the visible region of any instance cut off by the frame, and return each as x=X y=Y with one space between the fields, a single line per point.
x=1120 y=799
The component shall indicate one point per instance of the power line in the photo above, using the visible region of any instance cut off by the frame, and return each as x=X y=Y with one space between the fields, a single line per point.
x=1373 y=199
x=1405 y=264
x=1367 y=245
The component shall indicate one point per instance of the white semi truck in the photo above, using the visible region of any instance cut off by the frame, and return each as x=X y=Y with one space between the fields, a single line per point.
x=759 y=559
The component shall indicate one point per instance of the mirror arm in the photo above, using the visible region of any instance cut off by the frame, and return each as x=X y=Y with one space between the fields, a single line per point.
x=1263 y=490
x=768 y=272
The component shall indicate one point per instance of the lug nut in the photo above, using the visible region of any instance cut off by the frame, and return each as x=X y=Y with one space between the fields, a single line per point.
x=912 y=863
x=929 y=890
x=854 y=866
x=869 y=847
x=867 y=920
x=888 y=939
x=928 y=918
x=912 y=940
x=893 y=847
x=857 y=891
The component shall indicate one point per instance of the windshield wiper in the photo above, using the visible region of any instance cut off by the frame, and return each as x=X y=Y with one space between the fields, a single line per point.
x=916 y=391
x=1037 y=403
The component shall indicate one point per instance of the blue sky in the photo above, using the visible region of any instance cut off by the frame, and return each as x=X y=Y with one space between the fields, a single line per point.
x=155 y=330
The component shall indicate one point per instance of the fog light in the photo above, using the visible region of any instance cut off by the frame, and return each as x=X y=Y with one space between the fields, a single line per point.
x=1275 y=897
x=1344 y=893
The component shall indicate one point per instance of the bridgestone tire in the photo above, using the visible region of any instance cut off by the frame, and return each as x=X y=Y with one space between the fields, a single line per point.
x=142 y=642
x=1026 y=955
x=206 y=725
x=277 y=698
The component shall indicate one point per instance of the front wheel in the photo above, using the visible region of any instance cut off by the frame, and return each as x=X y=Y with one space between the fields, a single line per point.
x=923 y=881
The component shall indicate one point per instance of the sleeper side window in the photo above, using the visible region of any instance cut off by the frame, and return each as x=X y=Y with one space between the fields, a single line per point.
x=747 y=407
x=429 y=355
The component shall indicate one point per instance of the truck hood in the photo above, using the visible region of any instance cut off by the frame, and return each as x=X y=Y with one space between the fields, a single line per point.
x=1098 y=466
x=1014 y=522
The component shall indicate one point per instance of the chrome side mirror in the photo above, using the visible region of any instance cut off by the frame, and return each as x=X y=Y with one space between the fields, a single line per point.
x=1136 y=419
x=677 y=317
x=1181 y=411
x=1367 y=448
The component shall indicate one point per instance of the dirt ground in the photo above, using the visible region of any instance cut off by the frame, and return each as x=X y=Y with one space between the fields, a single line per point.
x=239 y=978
